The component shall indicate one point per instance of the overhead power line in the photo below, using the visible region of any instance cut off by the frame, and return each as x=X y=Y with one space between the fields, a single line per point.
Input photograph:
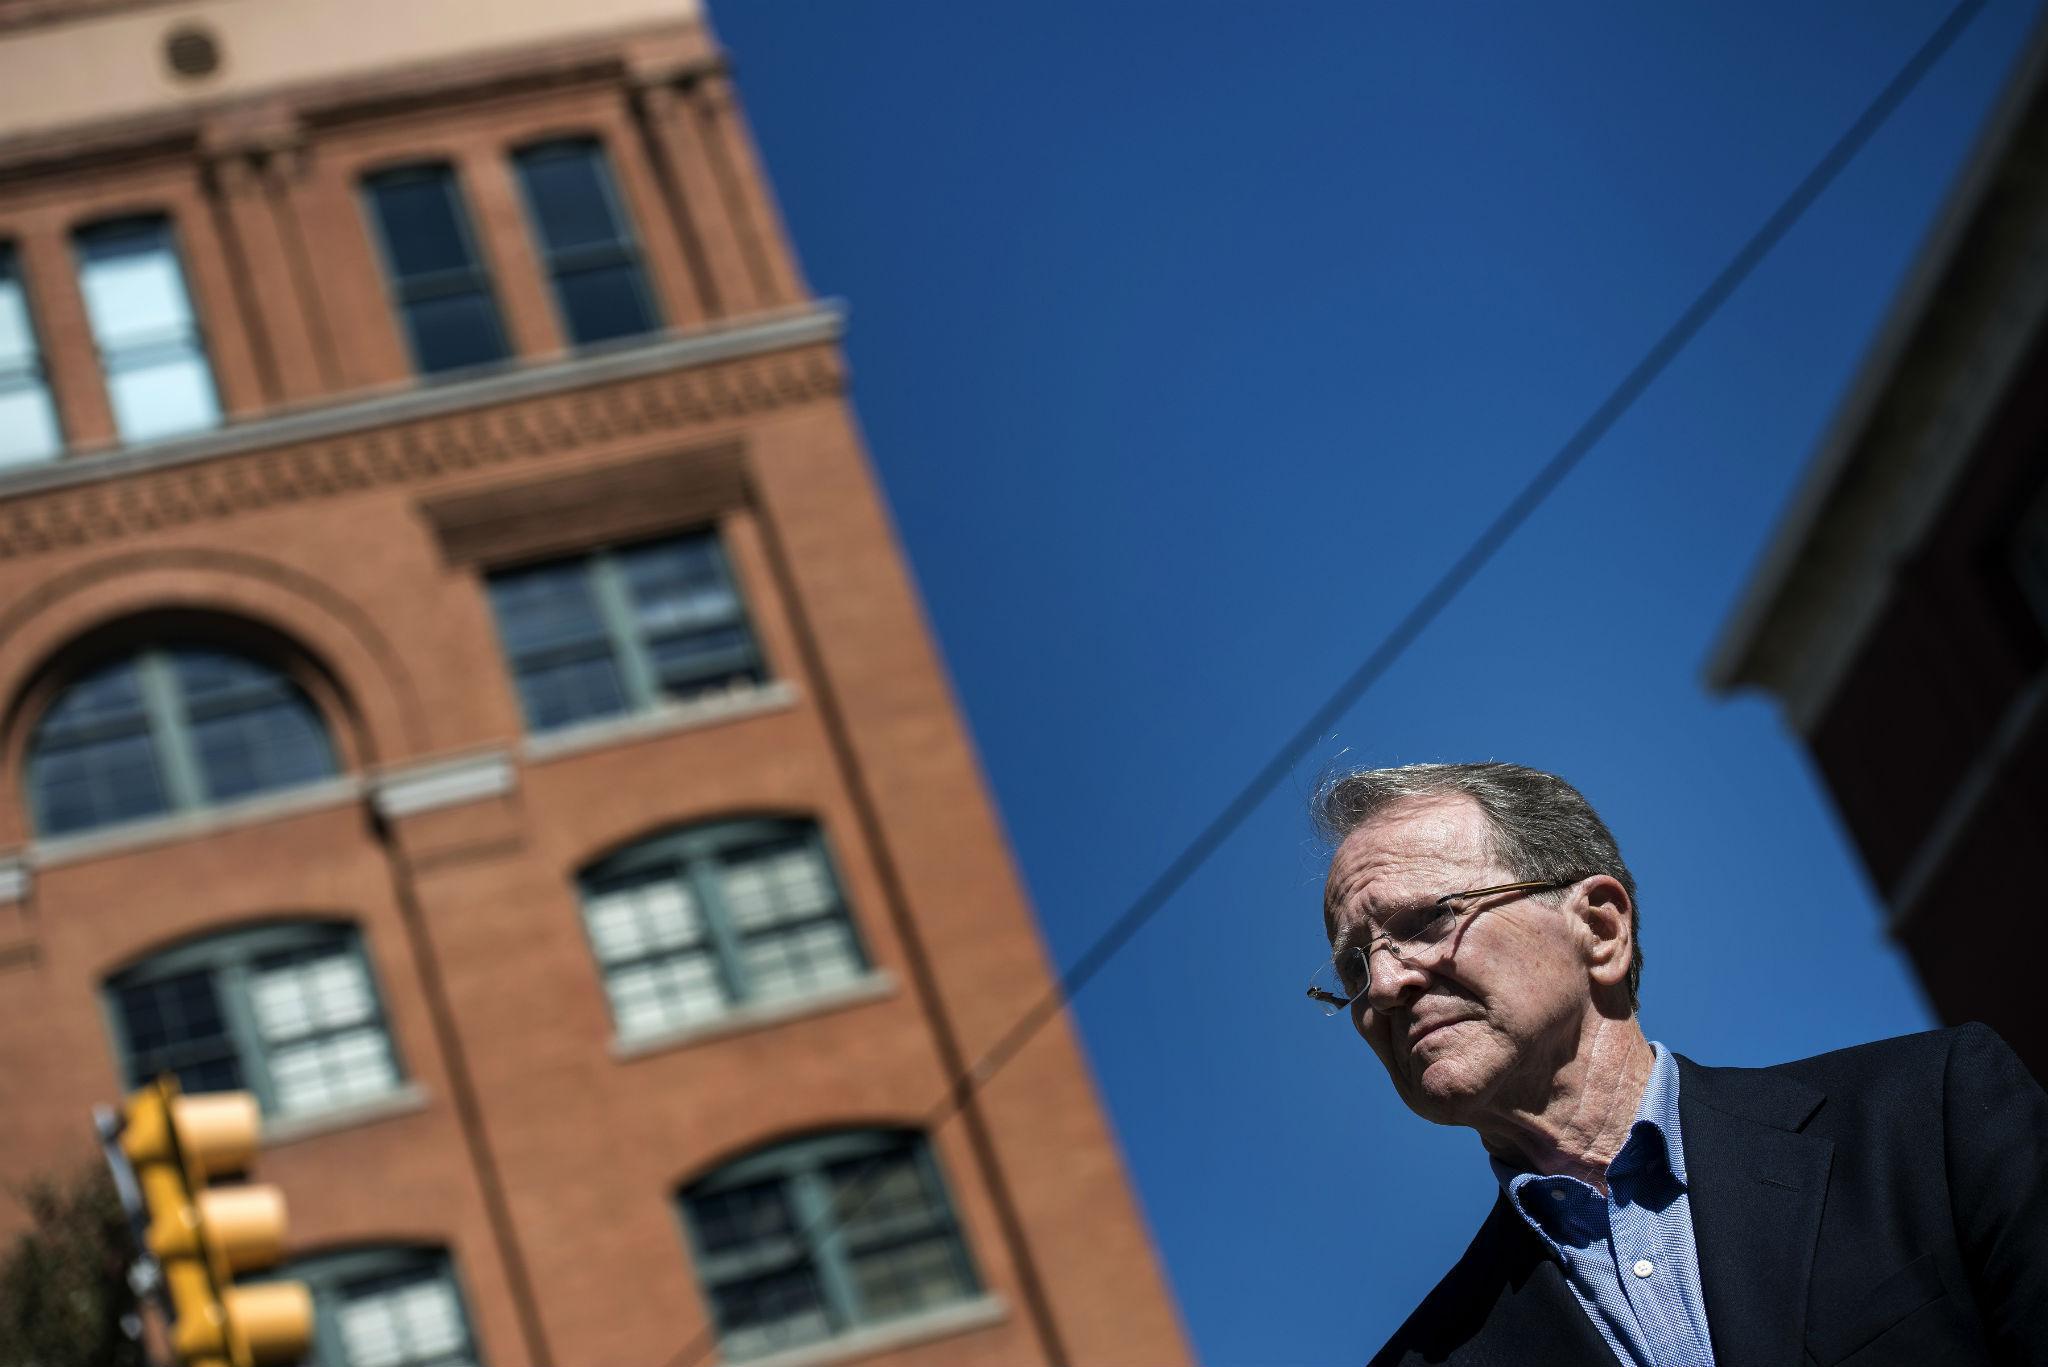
x=1426 y=609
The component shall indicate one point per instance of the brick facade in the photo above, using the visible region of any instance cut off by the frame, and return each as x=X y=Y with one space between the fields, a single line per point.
x=338 y=526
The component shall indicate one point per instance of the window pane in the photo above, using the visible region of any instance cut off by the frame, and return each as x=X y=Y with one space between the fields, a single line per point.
x=158 y=381
x=772 y=884
x=318 y=1020
x=309 y=994
x=909 y=1277
x=162 y=399
x=134 y=292
x=578 y=690
x=18 y=350
x=111 y=694
x=795 y=937
x=679 y=585
x=438 y=280
x=339 y=1069
x=800 y=962
x=28 y=425
x=402 y=1321
x=778 y=1310
x=279 y=745
x=454 y=331
x=696 y=635
x=547 y=606
x=604 y=302
x=175 y=1025
x=883 y=1193
x=660 y=974
x=588 y=246
x=561 y=655
x=740 y=1217
x=92 y=761
x=252 y=730
x=28 y=418
x=97 y=783
x=421 y=222
x=629 y=922
x=571 y=203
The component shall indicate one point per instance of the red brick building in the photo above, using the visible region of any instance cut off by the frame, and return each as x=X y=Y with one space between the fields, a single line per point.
x=459 y=683
x=1901 y=614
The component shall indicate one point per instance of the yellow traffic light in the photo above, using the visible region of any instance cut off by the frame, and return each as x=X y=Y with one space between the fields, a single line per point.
x=202 y=1236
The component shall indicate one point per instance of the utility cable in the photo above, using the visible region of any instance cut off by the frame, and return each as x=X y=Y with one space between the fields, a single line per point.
x=1414 y=622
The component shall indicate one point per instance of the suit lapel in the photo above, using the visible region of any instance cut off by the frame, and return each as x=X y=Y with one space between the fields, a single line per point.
x=1756 y=1190
x=1535 y=1320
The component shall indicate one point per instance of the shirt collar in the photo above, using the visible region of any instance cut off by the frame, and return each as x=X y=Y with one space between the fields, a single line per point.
x=1655 y=1147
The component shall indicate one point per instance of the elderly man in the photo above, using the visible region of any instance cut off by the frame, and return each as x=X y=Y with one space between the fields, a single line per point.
x=1884 y=1204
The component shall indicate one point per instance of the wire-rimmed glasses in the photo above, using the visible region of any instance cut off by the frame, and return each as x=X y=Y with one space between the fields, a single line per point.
x=1414 y=936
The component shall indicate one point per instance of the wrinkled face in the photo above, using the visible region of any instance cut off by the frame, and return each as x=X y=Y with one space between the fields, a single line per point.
x=1488 y=1023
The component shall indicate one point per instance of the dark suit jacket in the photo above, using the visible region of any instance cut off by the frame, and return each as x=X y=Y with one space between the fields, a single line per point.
x=1884 y=1204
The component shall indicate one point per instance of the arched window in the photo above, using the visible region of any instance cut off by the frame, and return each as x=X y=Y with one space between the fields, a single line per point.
x=822 y=1236
x=692 y=924
x=287 y=1011
x=387 y=1306
x=169 y=729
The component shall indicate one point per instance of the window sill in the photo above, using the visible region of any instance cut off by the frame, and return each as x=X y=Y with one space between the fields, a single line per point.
x=742 y=1020
x=964 y=1318
x=161 y=830
x=407 y=1100
x=708 y=710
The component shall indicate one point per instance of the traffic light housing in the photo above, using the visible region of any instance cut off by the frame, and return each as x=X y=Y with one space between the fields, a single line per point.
x=202 y=1236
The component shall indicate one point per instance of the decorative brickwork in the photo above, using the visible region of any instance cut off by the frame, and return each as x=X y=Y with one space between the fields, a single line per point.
x=414 y=451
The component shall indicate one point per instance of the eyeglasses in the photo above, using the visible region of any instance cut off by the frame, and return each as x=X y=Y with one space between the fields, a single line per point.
x=1415 y=937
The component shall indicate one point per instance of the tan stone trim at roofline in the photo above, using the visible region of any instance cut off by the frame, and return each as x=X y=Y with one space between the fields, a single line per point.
x=127 y=502
x=22 y=14
x=686 y=55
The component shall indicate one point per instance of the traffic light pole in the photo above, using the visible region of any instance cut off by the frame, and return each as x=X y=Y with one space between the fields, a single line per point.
x=145 y=1274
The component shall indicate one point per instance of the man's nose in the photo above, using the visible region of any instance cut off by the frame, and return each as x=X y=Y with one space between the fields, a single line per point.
x=1390 y=982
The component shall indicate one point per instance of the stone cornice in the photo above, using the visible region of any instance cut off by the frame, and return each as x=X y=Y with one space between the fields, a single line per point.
x=675 y=385
x=405 y=792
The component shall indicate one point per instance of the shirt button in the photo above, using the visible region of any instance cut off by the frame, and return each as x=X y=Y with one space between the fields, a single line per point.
x=1644 y=1267
x=1557 y=1193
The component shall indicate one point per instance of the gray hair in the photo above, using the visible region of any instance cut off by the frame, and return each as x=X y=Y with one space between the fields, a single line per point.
x=1540 y=826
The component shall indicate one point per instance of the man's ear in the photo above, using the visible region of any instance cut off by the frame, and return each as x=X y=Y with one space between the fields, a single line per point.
x=1603 y=907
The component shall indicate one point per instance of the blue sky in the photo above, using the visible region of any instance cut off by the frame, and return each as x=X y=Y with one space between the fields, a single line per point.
x=1192 y=342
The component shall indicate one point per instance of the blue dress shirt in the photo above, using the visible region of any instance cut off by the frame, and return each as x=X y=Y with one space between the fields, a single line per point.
x=1628 y=1256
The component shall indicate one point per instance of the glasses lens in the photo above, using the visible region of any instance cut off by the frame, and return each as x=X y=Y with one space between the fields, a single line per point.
x=1335 y=984
x=1432 y=929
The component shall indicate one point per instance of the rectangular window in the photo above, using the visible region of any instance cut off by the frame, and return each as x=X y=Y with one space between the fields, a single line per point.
x=591 y=257
x=438 y=280
x=28 y=419
x=158 y=380
x=623 y=631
